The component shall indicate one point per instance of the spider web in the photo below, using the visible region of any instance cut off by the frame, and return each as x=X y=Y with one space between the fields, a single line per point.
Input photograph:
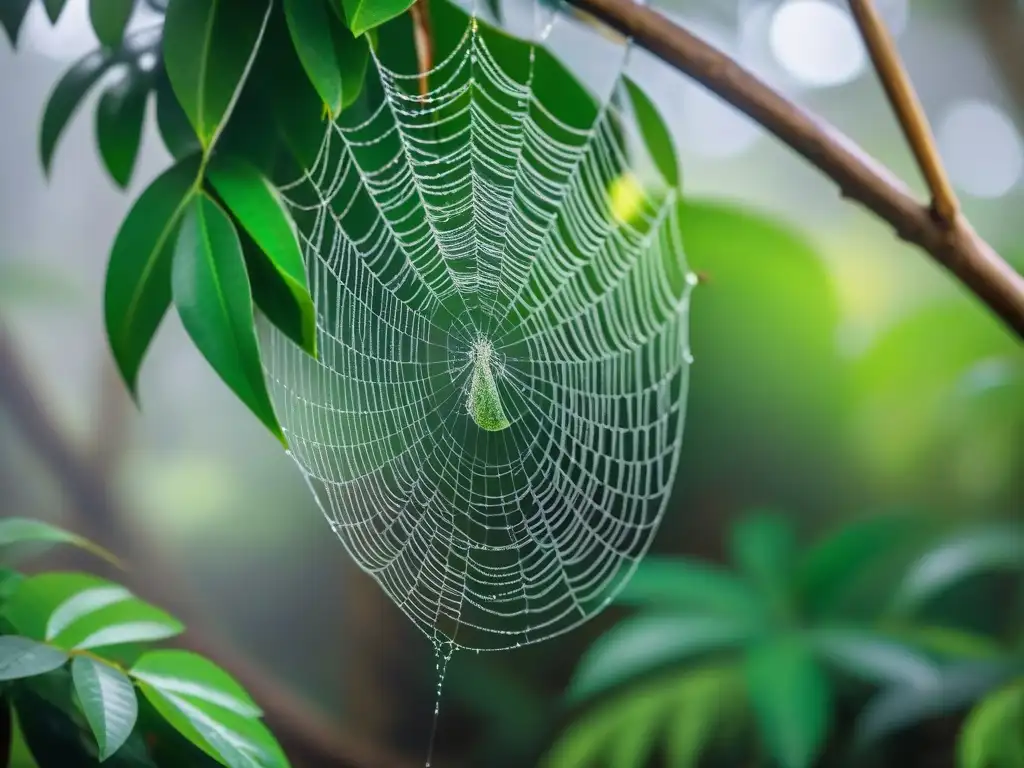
x=484 y=232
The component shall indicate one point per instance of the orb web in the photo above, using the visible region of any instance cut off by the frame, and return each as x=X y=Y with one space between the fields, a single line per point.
x=493 y=424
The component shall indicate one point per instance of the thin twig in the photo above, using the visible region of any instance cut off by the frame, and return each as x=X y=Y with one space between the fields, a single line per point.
x=907 y=107
x=423 y=35
x=958 y=247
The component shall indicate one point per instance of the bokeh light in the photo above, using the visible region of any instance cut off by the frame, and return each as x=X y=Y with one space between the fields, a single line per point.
x=981 y=148
x=817 y=43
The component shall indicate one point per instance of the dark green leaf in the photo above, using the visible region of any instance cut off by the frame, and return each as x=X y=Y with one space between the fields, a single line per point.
x=12 y=14
x=188 y=674
x=963 y=555
x=138 y=287
x=10 y=582
x=764 y=547
x=65 y=98
x=36 y=611
x=901 y=706
x=645 y=643
x=22 y=657
x=212 y=294
x=256 y=204
x=23 y=530
x=353 y=56
x=108 y=701
x=273 y=296
x=363 y=15
x=175 y=129
x=993 y=735
x=791 y=699
x=232 y=739
x=310 y=27
x=109 y=19
x=675 y=582
x=6 y=731
x=655 y=134
x=874 y=657
x=54 y=8
x=833 y=565
x=209 y=46
x=119 y=117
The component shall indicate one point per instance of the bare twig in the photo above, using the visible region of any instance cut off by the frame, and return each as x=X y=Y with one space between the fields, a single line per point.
x=308 y=735
x=423 y=34
x=957 y=247
x=907 y=106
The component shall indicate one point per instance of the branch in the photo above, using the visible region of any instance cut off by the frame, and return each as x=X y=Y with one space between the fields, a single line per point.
x=957 y=247
x=908 y=108
x=307 y=735
x=423 y=35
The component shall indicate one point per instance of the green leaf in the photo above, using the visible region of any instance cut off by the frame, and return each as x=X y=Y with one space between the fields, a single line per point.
x=965 y=554
x=310 y=27
x=23 y=530
x=22 y=657
x=874 y=657
x=119 y=116
x=129 y=621
x=82 y=604
x=833 y=565
x=643 y=644
x=65 y=98
x=993 y=735
x=256 y=204
x=901 y=706
x=686 y=584
x=353 y=56
x=231 y=739
x=187 y=673
x=209 y=47
x=54 y=8
x=656 y=136
x=138 y=285
x=12 y=14
x=109 y=19
x=791 y=699
x=764 y=548
x=172 y=122
x=710 y=698
x=945 y=642
x=363 y=15
x=212 y=294
x=274 y=298
x=10 y=583
x=108 y=701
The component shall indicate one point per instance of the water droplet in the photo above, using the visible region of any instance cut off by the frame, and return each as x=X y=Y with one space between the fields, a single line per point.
x=692 y=278
x=688 y=356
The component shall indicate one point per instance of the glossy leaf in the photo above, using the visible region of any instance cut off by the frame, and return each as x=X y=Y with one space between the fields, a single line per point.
x=82 y=604
x=119 y=117
x=12 y=14
x=640 y=645
x=54 y=8
x=256 y=204
x=309 y=24
x=138 y=285
x=212 y=294
x=186 y=673
x=22 y=657
x=10 y=583
x=655 y=133
x=687 y=584
x=109 y=19
x=363 y=15
x=274 y=297
x=874 y=657
x=791 y=699
x=353 y=56
x=764 y=547
x=108 y=701
x=229 y=738
x=960 y=557
x=993 y=734
x=901 y=706
x=208 y=47
x=65 y=98
x=23 y=530
x=129 y=621
x=30 y=608
x=176 y=131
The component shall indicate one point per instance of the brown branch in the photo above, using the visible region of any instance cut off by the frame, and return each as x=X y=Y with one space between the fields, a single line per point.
x=907 y=107
x=310 y=737
x=957 y=247
x=423 y=35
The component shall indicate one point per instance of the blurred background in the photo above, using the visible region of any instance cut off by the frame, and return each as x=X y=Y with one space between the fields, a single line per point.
x=837 y=372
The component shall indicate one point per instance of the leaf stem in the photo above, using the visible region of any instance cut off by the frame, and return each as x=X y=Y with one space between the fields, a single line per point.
x=907 y=107
x=423 y=34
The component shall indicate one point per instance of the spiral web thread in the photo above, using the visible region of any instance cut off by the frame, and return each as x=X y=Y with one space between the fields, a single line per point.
x=474 y=218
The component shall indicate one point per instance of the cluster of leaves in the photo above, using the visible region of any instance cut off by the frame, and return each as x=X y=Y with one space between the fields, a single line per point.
x=75 y=652
x=240 y=88
x=778 y=647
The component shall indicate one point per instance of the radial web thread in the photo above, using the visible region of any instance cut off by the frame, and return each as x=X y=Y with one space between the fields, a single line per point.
x=475 y=235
